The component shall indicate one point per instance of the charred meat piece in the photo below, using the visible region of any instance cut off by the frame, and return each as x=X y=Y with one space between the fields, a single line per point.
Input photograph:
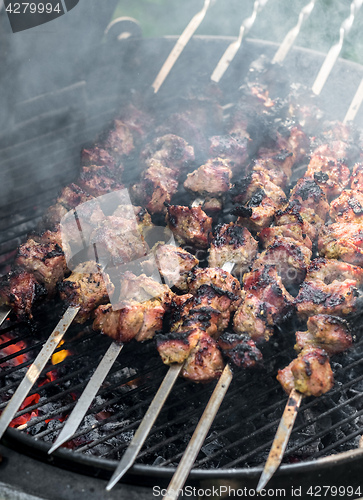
x=331 y=175
x=293 y=231
x=130 y=319
x=232 y=243
x=171 y=151
x=118 y=240
x=310 y=373
x=329 y=270
x=174 y=264
x=357 y=177
x=142 y=288
x=205 y=361
x=290 y=260
x=158 y=185
x=85 y=287
x=72 y=196
x=139 y=121
x=348 y=207
x=261 y=198
x=100 y=180
x=189 y=225
x=337 y=298
x=309 y=194
x=118 y=140
x=45 y=260
x=20 y=291
x=265 y=303
x=342 y=241
x=306 y=218
x=211 y=179
x=98 y=156
x=220 y=280
x=233 y=148
x=330 y=333
x=338 y=140
x=175 y=347
x=240 y=349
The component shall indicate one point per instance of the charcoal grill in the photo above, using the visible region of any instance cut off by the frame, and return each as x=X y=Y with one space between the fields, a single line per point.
x=326 y=437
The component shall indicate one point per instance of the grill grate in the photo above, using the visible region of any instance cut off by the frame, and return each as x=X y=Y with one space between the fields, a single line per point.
x=241 y=434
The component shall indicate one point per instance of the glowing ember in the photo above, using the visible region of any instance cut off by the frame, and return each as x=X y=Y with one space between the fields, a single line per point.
x=13 y=348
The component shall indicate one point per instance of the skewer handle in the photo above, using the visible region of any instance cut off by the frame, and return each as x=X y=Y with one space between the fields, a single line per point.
x=334 y=52
x=199 y=435
x=147 y=422
x=36 y=368
x=290 y=38
x=281 y=438
x=233 y=48
x=88 y=395
x=354 y=105
x=179 y=46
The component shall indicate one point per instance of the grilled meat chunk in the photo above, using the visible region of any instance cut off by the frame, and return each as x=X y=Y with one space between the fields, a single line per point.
x=171 y=151
x=338 y=140
x=290 y=260
x=86 y=287
x=306 y=218
x=329 y=270
x=98 y=156
x=174 y=264
x=118 y=240
x=348 y=207
x=240 y=349
x=205 y=361
x=342 y=241
x=175 y=347
x=330 y=333
x=310 y=373
x=100 y=180
x=309 y=194
x=261 y=199
x=220 y=280
x=130 y=319
x=158 y=185
x=232 y=243
x=211 y=179
x=189 y=225
x=72 y=196
x=118 y=140
x=233 y=148
x=142 y=288
x=294 y=231
x=45 y=260
x=356 y=183
x=20 y=291
x=331 y=175
x=265 y=303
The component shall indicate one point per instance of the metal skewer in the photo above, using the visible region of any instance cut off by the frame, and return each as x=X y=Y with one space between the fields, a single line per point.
x=36 y=368
x=290 y=38
x=286 y=425
x=88 y=395
x=199 y=435
x=180 y=45
x=4 y=314
x=335 y=50
x=233 y=48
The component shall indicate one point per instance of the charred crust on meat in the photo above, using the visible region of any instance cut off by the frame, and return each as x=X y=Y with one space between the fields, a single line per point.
x=242 y=211
x=321 y=177
x=309 y=189
x=235 y=235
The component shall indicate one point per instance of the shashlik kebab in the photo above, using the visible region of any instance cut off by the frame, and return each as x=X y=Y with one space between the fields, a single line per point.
x=330 y=288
